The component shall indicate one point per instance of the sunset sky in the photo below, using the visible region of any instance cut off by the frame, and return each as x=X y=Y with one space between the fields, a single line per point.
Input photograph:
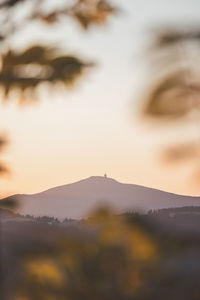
x=92 y=128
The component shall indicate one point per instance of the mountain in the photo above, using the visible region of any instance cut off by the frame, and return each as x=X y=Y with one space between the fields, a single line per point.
x=76 y=200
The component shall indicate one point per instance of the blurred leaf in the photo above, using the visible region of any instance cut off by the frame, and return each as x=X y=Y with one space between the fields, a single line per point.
x=86 y=12
x=3 y=143
x=36 y=65
x=90 y=12
x=172 y=37
x=3 y=169
x=173 y=96
x=176 y=76
x=181 y=153
x=10 y=3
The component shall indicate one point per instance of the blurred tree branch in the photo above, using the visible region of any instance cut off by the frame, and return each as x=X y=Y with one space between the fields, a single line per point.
x=176 y=86
x=36 y=65
x=39 y=63
x=85 y=12
x=174 y=93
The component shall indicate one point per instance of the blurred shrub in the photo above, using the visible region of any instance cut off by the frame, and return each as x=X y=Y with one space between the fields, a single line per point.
x=105 y=257
x=111 y=258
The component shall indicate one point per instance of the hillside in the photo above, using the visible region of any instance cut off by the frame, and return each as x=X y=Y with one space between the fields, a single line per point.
x=76 y=200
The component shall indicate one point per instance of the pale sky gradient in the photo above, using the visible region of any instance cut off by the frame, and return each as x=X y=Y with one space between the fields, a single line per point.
x=92 y=129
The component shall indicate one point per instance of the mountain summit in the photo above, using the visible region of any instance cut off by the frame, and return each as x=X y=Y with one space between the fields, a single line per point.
x=76 y=200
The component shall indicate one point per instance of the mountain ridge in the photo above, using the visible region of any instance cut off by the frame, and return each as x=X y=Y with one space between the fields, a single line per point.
x=76 y=200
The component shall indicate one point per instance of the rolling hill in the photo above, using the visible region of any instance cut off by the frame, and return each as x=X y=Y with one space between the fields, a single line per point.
x=76 y=200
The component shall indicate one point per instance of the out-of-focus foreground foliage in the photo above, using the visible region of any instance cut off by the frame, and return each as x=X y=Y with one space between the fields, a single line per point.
x=111 y=259
x=106 y=257
x=2 y=144
x=36 y=65
x=175 y=68
x=172 y=96
x=24 y=70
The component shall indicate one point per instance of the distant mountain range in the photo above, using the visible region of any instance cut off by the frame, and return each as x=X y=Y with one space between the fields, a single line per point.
x=76 y=200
